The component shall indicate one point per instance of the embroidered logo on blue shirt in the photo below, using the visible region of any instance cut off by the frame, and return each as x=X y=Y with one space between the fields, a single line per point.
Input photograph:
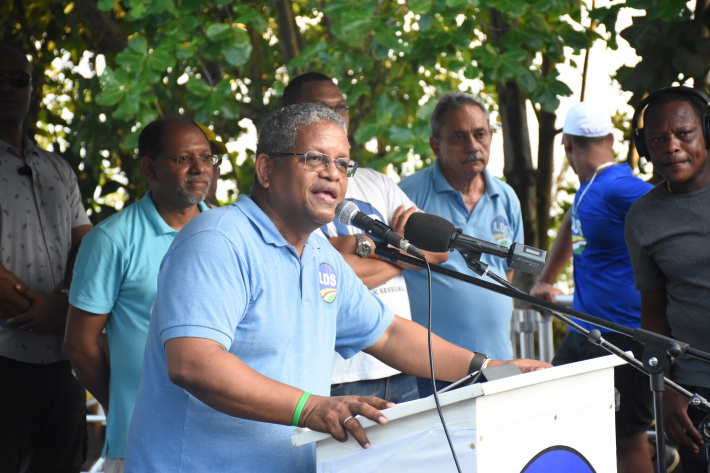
x=328 y=282
x=500 y=229
x=579 y=243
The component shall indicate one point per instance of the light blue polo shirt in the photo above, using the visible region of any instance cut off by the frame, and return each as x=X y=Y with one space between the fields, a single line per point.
x=464 y=314
x=116 y=273
x=232 y=278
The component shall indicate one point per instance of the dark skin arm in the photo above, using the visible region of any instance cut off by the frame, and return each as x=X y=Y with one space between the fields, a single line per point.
x=206 y=370
x=678 y=425
x=48 y=312
x=557 y=259
x=84 y=345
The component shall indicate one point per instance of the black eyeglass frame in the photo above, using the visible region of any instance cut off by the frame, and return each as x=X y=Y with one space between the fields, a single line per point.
x=350 y=168
x=184 y=161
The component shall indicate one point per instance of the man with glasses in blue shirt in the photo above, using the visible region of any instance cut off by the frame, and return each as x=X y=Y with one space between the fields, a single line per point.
x=116 y=280
x=250 y=307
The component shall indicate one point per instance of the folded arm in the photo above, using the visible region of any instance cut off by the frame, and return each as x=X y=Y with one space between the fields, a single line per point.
x=11 y=302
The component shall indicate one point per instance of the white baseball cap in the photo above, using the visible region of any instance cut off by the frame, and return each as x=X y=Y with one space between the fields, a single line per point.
x=585 y=119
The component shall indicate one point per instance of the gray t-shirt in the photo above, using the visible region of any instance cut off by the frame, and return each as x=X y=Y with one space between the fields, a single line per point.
x=667 y=235
x=37 y=214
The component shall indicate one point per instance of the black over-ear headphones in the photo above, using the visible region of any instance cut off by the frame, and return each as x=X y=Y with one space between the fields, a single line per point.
x=696 y=95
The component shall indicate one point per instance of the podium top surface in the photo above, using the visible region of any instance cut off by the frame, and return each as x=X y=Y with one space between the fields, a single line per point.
x=305 y=436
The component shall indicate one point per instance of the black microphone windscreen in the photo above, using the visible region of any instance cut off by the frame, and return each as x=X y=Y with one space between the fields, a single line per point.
x=429 y=232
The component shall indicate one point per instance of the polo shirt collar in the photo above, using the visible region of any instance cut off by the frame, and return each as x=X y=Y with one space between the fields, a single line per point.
x=266 y=227
x=441 y=184
x=154 y=217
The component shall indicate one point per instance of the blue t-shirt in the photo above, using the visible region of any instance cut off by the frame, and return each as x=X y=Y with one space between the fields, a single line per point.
x=232 y=278
x=116 y=273
x=603 y=275
x=464 y=314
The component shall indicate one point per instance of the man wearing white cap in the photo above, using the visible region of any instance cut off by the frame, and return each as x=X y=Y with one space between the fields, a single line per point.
x=592 y=231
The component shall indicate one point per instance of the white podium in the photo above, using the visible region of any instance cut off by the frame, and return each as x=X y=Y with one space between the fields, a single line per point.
x=555 y=420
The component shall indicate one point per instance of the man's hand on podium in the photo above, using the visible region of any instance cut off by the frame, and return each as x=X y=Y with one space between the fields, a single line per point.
x=525 y=365
x=336 y=415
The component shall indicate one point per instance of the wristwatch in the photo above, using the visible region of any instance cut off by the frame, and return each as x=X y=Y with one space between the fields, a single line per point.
x=363 y=247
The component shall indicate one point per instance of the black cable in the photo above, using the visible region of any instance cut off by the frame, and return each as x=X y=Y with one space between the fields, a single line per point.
x=433 y=378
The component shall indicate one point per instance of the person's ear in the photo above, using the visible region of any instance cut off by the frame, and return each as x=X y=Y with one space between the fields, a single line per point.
x=567 y=143
x=148 y=168
x=263 y=167
x=434 y=144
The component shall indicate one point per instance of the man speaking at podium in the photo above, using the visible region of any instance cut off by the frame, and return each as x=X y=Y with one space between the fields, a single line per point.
x=228 y=374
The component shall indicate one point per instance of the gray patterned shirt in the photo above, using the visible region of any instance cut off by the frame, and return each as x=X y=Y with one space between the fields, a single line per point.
x=37 y=214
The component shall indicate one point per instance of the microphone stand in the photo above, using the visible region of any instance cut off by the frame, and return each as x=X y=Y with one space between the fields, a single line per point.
x=659 y=351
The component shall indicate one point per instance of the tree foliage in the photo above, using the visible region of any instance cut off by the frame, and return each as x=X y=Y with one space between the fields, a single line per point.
x=223 y=61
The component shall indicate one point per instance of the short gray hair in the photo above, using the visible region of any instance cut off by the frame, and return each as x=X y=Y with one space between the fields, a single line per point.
x=451 y=101
x=280 y=130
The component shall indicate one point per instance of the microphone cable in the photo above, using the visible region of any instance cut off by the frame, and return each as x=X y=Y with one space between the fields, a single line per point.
x=433 y=378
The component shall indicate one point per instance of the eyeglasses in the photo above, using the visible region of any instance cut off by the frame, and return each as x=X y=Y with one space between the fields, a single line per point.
x=340 y=109
x=316 y=161
x=17 y=79
x=209 y=159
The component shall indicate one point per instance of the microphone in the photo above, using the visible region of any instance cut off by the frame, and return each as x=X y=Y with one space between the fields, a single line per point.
x=347 y=213
x=25 y=171
x=436 y=234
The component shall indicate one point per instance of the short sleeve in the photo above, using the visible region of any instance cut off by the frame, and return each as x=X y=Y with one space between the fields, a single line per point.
x=98 y=272
x=211 y=309
x=647 y=275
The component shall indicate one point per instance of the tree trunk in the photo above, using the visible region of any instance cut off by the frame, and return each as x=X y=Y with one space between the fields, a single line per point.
x=518 y=156
x=545 y=165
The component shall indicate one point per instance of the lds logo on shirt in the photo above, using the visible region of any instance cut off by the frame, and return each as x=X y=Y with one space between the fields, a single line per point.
x=328 y=282
x=500 y=229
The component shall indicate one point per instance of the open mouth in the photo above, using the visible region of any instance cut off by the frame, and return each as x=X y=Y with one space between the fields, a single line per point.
x=327 y=195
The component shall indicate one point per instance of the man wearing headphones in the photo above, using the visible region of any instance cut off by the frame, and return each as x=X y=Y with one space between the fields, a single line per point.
x=667 y=232
x=592 y=232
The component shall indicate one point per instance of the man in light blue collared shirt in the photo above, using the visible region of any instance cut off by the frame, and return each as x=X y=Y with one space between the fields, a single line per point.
x=116 y=280
x=459 y=188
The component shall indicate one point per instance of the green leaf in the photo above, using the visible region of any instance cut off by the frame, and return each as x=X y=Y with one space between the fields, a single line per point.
x=138 y=44
x=223 y=88
x=131 y=60
x=230 y=108
x=110 y=97
x=198 y=87
x=236 y=55
x=420 y=6
x=105 y=5
x=160 y=60
x=127 y=109
x=400 y=135
x=366 y=132
x=526 y=81
x=218 y=31
x=573 y=38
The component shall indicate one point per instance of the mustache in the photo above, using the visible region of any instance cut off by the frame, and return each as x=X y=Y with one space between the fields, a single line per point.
x=190 y=180
x=473 y=157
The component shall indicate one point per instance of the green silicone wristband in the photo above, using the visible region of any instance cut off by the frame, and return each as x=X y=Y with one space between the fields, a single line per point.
x=299 y=408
